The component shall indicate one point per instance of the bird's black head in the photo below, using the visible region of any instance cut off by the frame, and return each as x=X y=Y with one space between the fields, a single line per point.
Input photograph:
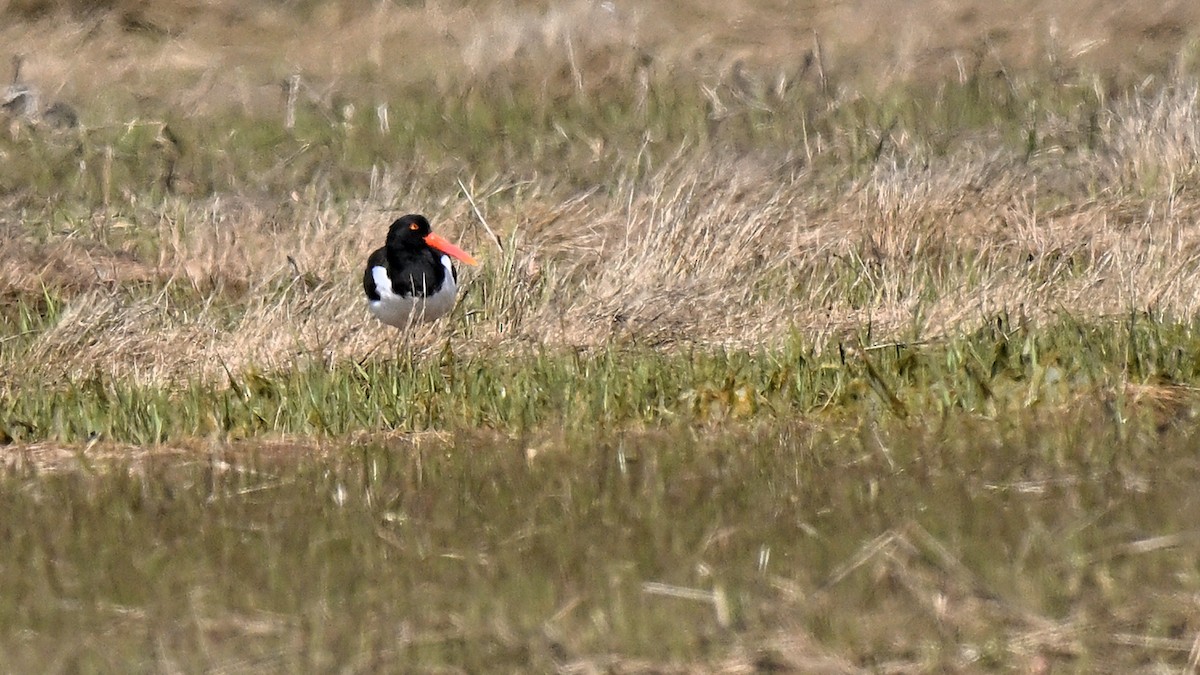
x=408 y=233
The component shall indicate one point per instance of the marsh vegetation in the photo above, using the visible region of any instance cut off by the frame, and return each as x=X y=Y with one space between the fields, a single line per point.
x=806 y=339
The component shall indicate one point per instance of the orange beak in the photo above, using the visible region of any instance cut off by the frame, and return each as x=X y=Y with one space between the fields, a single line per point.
x=440 y=243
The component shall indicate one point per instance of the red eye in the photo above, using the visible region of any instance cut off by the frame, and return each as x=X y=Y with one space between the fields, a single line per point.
x=413 y=227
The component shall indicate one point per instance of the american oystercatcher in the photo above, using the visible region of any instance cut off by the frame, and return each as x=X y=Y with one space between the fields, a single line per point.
x=411 y=278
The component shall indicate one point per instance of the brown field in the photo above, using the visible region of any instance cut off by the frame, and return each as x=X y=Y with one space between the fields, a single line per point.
x=705 y=240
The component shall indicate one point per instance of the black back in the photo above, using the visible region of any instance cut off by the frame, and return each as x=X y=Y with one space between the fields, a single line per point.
x=414 y=267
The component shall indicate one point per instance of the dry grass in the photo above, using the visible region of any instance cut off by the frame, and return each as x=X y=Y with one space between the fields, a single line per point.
x=695 y=242
x=702 y=246
x=236 y=52
x=708 y=249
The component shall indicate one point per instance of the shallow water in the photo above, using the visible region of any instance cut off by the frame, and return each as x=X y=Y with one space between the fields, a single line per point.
x=964 y=543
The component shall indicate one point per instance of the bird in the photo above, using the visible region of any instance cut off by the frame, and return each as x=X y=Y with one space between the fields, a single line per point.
x=411 y=277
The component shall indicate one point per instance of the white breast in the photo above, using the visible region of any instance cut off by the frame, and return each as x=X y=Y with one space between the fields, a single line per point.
x=403 y=310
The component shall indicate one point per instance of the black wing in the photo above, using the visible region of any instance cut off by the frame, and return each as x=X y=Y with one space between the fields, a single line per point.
x=377 y=259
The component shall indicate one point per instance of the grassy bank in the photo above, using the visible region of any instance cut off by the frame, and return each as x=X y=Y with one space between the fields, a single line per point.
x=1130 y=365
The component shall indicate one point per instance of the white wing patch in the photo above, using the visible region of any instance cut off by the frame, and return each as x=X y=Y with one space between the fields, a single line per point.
x=402 y=310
